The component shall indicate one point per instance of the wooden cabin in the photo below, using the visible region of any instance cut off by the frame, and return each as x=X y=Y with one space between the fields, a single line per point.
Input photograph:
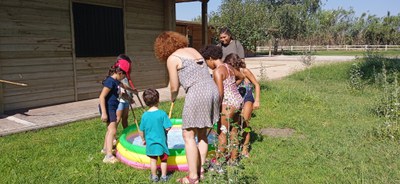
x=62 y=49
x=193 y=31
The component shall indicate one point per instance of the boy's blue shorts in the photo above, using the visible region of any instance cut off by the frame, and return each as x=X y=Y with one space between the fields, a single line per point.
x=122 y=106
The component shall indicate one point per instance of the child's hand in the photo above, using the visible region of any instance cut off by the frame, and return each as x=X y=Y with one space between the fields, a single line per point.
x=104 y=117
x=135 y=91
x=144 y=142
x=125 y=96
x=256 y=105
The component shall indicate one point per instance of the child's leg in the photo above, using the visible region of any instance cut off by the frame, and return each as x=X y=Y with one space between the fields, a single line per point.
x=110 y=135
x=120 y=110
x=164 y=159
x=234 y=139
x=246 y=113
x=105 y=142
x=153 y=166
x=224 y=124
x=164 y=168
x=124 y=117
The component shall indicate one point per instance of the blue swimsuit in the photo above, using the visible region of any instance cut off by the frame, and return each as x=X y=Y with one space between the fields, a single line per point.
x=246 y=90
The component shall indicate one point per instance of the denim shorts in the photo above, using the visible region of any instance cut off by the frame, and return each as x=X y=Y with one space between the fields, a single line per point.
x=122 y=106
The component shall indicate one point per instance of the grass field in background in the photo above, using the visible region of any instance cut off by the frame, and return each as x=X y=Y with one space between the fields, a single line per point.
x=391 y=53
x=356 y=53
x=332 y=142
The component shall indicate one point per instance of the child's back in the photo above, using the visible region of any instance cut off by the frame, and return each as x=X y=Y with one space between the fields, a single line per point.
x=155 y=125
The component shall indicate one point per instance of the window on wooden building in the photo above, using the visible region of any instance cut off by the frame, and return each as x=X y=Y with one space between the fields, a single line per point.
x=99 y=30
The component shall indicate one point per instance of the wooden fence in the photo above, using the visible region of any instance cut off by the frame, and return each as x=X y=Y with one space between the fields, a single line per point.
x=329 y=47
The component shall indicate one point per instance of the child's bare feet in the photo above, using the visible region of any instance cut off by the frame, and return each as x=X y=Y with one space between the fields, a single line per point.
x=245 y=154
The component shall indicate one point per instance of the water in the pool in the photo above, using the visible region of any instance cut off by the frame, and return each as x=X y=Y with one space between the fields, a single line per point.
x=175 y=139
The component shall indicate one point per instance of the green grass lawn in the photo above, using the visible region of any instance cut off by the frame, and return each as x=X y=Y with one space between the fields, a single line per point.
x=332 y=142
x=356 y=53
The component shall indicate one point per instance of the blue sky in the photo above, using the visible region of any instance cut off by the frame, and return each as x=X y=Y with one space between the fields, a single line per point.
x=188 y=11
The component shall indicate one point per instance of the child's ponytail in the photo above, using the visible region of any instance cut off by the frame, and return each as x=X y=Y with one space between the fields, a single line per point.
x=113 y=69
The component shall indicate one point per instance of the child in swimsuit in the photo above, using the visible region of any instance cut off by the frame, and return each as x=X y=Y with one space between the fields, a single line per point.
x=250 y=101
x=225 y=77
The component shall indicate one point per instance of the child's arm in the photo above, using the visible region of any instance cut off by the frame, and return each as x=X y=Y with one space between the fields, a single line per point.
x=172 y=65
x=102 y=98
x=253 y=80
x=128 y=88
x=238 y=76
x=141 y=134
x=218 y=79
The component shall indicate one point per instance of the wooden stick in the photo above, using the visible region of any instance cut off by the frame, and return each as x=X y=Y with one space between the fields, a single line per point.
x=170 y=110
x=135 y=120
x=14 y=83
x=140 y=101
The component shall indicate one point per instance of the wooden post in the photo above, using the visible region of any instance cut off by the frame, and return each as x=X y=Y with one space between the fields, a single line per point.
x=269 y=51
x=291 y=48
x=124 y=22
x=169 y=15
x=204 y=22
x=385 y=47
x=73 y=51
x=1 y=98
x=1 y=94
x=346 y=48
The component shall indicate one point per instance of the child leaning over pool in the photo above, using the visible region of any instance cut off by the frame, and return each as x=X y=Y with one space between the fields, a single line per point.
x=155 y=125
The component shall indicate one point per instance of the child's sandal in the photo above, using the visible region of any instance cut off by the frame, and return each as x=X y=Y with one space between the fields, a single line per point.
x=187 y=179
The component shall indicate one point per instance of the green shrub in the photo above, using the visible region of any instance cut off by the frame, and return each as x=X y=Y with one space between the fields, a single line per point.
x=373 y=61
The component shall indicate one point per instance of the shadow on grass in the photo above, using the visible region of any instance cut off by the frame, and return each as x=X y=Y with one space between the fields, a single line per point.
x=264 y=86
x=374 y=63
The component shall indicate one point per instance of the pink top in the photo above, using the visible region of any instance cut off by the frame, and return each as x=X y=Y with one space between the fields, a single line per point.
x=232 y=96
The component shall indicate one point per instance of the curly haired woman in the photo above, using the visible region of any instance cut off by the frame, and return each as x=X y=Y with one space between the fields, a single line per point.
x=187 y=67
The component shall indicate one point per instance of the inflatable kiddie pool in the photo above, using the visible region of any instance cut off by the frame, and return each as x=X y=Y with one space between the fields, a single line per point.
x=132 y=152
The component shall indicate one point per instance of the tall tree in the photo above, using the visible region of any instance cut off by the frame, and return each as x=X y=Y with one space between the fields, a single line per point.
x=247 y=19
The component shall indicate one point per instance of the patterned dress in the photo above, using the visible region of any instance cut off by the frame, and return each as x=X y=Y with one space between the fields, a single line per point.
x=232 y=97
x=201 y=108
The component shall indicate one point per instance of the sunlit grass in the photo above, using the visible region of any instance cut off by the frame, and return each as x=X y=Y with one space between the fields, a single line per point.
x=332 y=142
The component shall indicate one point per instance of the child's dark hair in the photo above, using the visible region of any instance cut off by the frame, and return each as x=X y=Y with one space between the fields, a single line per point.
x=113 y=69
x=226 y=30
x=125 y=57
x=151 y=97
x=211 y=51
x=235 y=61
